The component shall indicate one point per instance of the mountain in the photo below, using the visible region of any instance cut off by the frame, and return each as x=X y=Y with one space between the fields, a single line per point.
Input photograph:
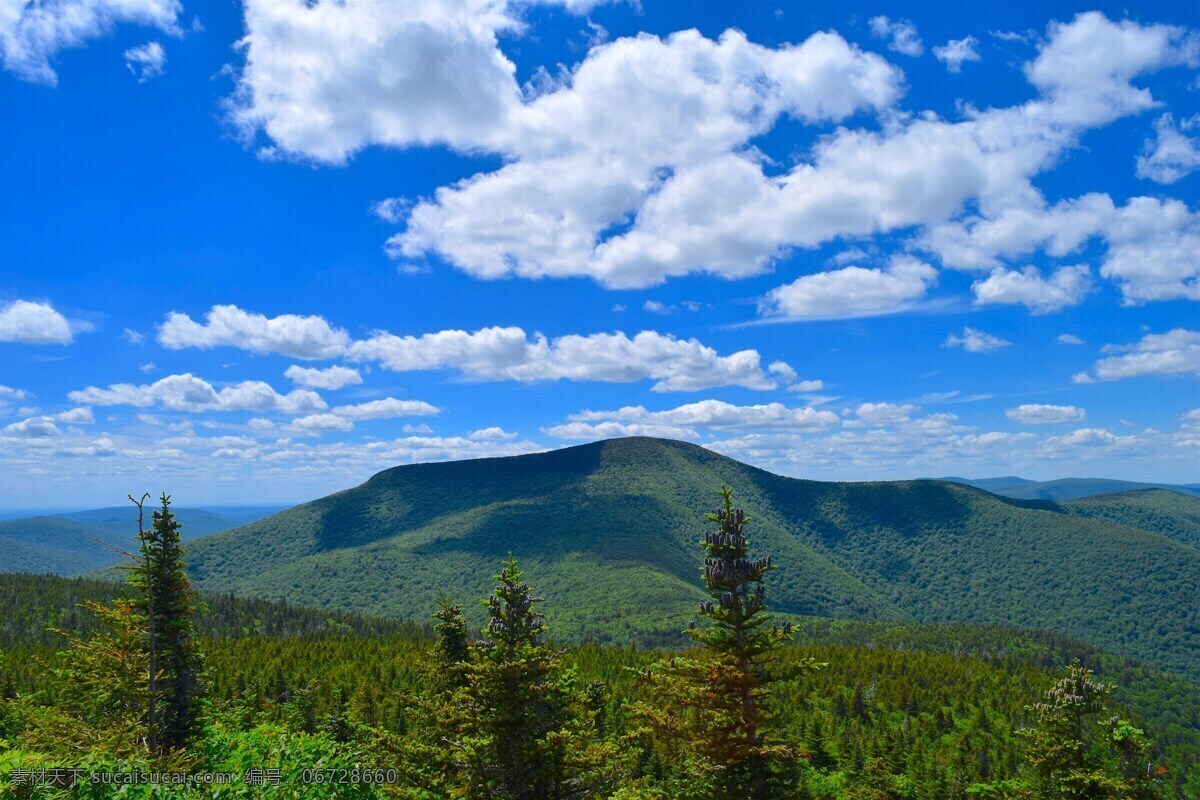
x=609 y=531
x=1172 y=514
x=65 y=543
x=1067 y=488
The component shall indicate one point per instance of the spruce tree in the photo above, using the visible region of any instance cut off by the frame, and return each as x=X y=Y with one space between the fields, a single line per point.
x=167 y=601
x=102 y=689
x=1078 y=750
x=710 y=711
x=529 y=735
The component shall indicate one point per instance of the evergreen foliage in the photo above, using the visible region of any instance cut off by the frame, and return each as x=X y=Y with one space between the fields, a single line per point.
x=528 y=734
x=1078 y=750
x=708 y=712
x=166 y=601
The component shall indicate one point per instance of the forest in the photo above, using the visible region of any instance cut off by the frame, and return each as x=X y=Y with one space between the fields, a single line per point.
x=152 y=678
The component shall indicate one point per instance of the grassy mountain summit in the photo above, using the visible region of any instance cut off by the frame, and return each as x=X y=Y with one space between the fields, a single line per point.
x=610 y=531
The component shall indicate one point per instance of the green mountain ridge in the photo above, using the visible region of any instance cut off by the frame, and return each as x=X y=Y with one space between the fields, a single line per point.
x=74 y=542
x=609 y=533
x=1067 y=488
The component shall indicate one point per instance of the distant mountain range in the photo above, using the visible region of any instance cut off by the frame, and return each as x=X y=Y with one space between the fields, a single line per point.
x=608 y=533
x=65 y=543
x=1067 y=488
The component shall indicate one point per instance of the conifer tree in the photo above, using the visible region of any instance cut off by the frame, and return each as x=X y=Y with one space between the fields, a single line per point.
x=103 y=689
x=167 y=602
x=529 y=734
x=710 y=712
x=1078 y=751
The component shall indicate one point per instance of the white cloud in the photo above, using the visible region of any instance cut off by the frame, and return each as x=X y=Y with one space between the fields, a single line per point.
x=146 y=61
x=885 y=413
x=1175 y=352
x=76 y=416
x=655 y=307
x=330 y=378
x=1171 y=154
x=31 y=34
x=9 y=394
x=492 y=434
x=386 y=408
x=976 y=341
x=1039 y=414
x=1068 y=338
x=577 y=172
x=32 y=428
x=783 y=370
x=33 y=323
x=305 y=338
x=901 y=35
x=1067 y=286
x=322 y=80
x=320 y=423
x=132 y=336
x=507 y=354
x=422 y=428
x=851 y=292
x=1153 y=244
x=188 y=393
x=149 y=366
x=807 y=386
x=956 y=51
x=683 y=422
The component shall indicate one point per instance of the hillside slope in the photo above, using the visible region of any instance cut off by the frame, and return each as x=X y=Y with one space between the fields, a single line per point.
x=609 y=531
x=66 y=543
x=1172 y=514
x=1065 y=489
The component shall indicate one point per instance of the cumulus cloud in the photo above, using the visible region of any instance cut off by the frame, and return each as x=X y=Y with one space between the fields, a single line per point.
x=305 y=338
x=320 y=423
x=31 y=34
x=1068 y=338
x=976 y=341
x=1170 y=154
x=1067 y=286
x=851 y=292
x=492 y=434
x=684 y=421
x=33 y=323
x=386 y=408
x=330 y=378
x=1153 y=244
x=901 y=35
x=576 y=172
x=32 y=428
x=508 y=354
x=957 y=51
x=1175 y=352
x=885 y=413
x=575 y=195
x=186 y=392
x=146 y=61
x=1039 y=414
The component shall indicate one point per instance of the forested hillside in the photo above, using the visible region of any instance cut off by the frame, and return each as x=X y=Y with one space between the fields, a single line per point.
x=74 y=542
x=1172 y=514
x=617 y=519
x=899 y=710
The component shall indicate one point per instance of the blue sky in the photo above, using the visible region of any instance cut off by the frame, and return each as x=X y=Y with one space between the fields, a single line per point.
x=259 y=252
